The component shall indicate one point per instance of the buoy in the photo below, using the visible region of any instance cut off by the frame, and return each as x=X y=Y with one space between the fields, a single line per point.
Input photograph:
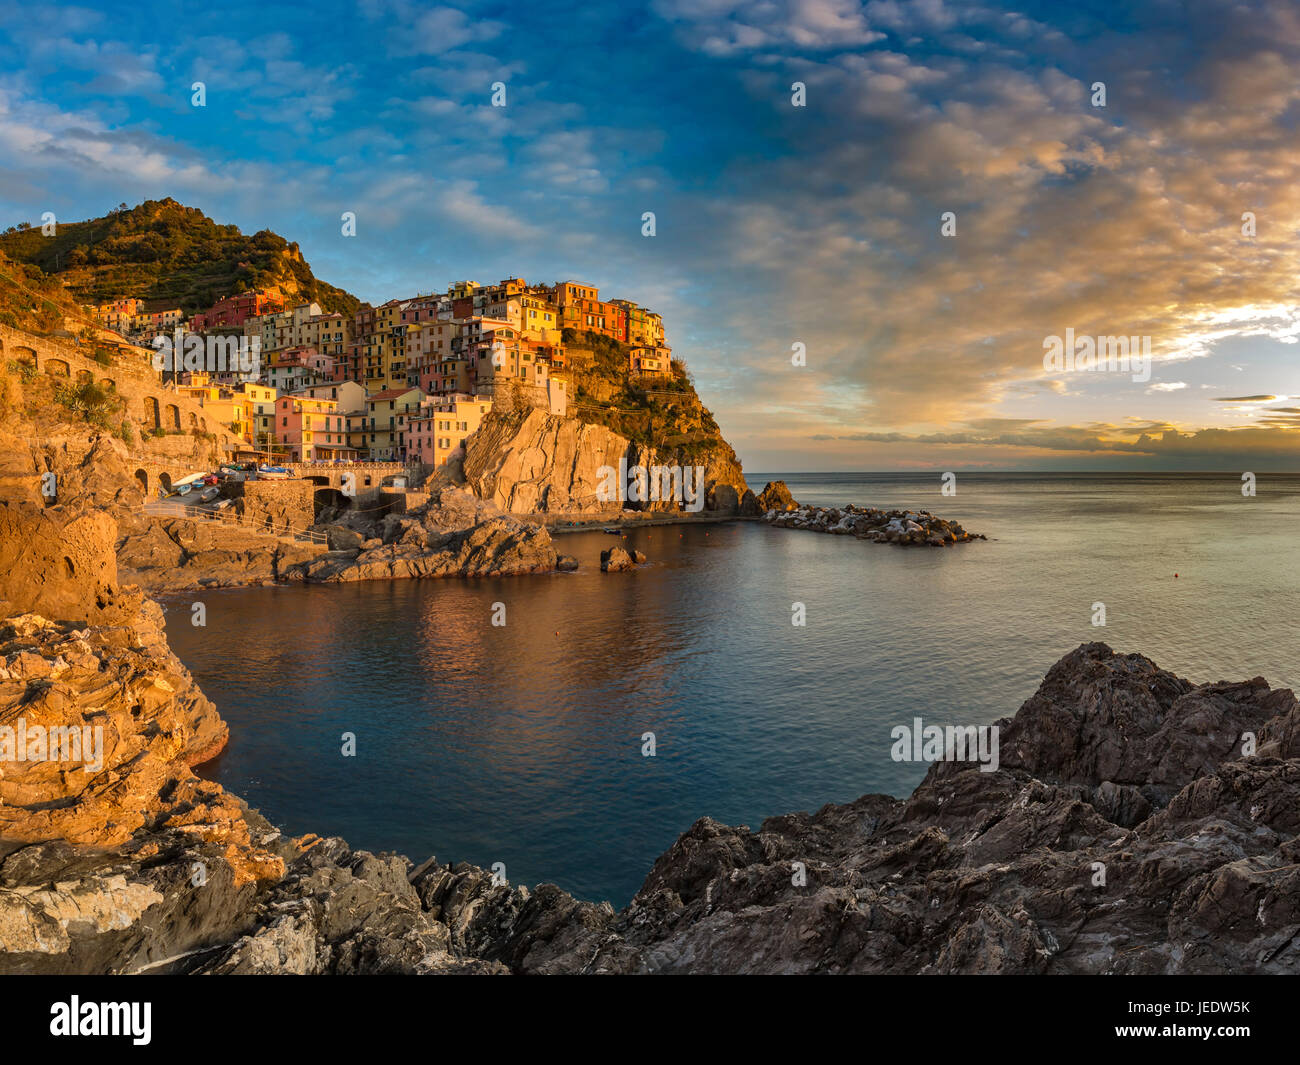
x=1175 y=576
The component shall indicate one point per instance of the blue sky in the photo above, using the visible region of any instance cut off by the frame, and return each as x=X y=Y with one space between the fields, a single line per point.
x=776 y=224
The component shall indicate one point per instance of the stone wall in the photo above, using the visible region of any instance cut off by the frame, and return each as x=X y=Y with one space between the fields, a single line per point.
x=149 y=402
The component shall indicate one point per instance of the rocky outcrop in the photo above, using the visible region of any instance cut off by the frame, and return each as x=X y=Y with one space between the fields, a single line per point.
x=776 y=496
x=615 y=560
x=1136 y=823
x=903 y=527
x=530 y=462
x=456 y=535
x=1069 y=858
x=169 y=555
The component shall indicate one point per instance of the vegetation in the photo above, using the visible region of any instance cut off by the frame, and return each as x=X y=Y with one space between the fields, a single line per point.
x=166 y=253
x=31 y=301
x=663 y=412
x=94 y=404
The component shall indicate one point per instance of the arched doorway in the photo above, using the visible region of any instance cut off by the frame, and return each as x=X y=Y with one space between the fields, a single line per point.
x=143 y=478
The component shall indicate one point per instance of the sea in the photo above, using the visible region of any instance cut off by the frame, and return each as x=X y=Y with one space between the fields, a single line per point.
x=570 y=726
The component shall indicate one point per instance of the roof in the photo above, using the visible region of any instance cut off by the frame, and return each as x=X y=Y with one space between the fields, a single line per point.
x=391 y=393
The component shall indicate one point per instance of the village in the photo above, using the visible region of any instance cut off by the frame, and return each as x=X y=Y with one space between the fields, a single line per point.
x=407 y=381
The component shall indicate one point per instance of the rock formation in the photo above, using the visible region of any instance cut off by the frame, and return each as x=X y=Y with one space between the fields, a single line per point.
x=456 y=535
x=903 y=527
x=1136 y=823
x=776 y=496
x=530 y=462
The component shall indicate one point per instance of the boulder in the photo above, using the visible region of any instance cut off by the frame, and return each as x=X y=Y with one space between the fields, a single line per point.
x=615 y=560
x=341 y=538
x=776 y=496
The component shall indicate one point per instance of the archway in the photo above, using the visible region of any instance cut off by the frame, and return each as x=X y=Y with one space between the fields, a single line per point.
x=151 y=418
x=165 y=481
x=57 y=368
x=143 y=478
x=108 y=383
x=85 y=377
x=173 y=416
x=26 y=355
x=328 y=499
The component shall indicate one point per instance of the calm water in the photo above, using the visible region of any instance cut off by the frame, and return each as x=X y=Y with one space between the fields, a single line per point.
x=522 y=744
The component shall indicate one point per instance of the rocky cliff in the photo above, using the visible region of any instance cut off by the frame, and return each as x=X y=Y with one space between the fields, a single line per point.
x=531 y=462
x=1136 y=823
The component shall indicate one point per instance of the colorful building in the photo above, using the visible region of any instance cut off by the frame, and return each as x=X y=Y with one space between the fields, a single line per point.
x=234 y=311
x=307 y=429
x=437 y=430
x=388 y=413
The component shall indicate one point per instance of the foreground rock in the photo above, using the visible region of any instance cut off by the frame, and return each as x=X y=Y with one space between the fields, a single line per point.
x=1115 y=766
x=1124 y=831
x=903 y=527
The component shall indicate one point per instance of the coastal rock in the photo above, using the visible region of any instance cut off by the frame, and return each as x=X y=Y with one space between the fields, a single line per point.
x=615 y=560
x=56 y=561
x=420 y=547
x=186 y=554
x=988 y=872
x=903 y=527
x=341 y=538
x=776 y=496
x=566 y=563
x=529 y=462
x=975 y=872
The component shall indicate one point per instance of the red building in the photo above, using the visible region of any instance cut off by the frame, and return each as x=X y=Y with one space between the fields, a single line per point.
x=234 y=311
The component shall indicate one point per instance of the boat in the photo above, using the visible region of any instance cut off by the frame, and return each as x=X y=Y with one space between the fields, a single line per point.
x=273 y=473
x=209 y=494
x=186 y=483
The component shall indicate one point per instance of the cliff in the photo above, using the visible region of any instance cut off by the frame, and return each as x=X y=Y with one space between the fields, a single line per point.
x=531 y=462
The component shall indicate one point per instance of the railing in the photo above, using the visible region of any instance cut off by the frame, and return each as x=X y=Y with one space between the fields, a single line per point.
x=162 y=508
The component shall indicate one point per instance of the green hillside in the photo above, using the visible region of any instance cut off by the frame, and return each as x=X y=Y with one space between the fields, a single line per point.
x=168 y=254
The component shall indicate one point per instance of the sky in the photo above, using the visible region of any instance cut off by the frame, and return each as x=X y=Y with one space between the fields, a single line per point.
x=799 y=253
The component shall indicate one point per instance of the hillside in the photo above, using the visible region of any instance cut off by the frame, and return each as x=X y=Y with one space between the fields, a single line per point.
x=32 y=301
x=661 y=413
x=168 y=254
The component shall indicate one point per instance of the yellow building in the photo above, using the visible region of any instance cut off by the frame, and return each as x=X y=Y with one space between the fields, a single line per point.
x=437 y=431
x=388 y=412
